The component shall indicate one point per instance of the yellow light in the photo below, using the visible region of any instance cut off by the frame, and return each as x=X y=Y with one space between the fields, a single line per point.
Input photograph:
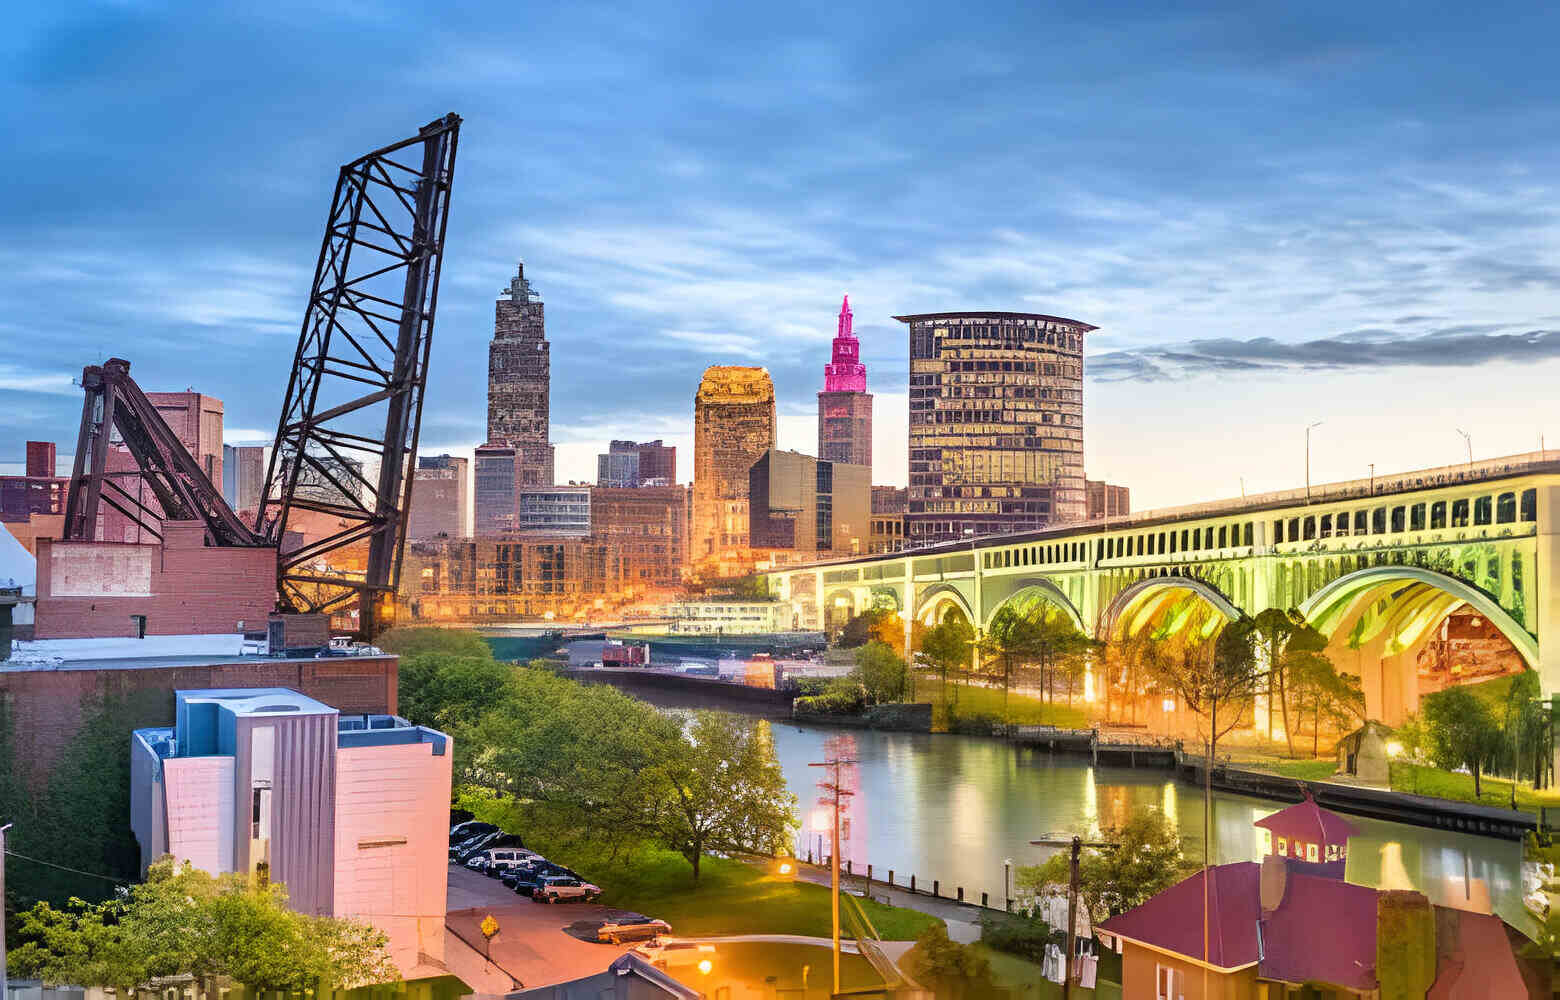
x=1168 y=705
x=1394 y=748
x=785 y=868
x=705 y=965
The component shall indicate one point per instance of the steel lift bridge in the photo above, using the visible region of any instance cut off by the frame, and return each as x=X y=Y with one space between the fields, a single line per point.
x=340 y=468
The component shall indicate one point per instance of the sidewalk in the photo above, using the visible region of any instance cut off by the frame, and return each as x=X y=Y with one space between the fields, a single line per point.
x=963 y=919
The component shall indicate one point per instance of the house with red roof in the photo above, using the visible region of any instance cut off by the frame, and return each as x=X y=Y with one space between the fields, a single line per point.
x=1258 y=931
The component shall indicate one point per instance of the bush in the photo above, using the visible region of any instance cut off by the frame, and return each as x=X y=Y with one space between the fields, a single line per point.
x=841 y=697
x=407 y=641
x=975 y=723
x=1016 y=934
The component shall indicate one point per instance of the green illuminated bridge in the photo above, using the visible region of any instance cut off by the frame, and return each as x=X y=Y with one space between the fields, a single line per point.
x=1376 y=565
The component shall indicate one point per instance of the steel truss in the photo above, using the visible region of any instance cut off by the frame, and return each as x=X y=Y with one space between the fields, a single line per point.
x=347 y=435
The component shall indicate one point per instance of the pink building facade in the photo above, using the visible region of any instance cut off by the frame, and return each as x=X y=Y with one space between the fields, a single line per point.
x=349 y=812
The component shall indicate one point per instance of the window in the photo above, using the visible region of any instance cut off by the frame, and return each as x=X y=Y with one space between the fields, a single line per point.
x=138 y=624
x=1283 y=847
x=1438 y=515
x=1327 y=526
x=1459 y=513
x=1311 y=854
x=1359 y=522
x=1397 y=519
x=1294 y=529
x=1332 y=852
x=1481 y=510
x=1416 y=517
x=1378 y=521
x=1310 y=527
x=1278 y=531
x=1530 y=505
x=1506 y=508
x=1224 y=537
x=1249 y=531
x=1169 y=984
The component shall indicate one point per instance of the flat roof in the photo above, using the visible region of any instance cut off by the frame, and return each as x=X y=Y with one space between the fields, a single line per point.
x=250 y=702
x=988 y=314
x=90 y=662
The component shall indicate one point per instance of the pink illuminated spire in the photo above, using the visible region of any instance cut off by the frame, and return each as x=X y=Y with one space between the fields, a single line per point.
x=845 y=373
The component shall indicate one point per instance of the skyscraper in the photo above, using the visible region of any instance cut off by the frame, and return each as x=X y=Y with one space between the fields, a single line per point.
x=243 y=475
x=441 y=487
x=733 y=424
x=496 y=490
x=844 y=405
x=632 y=464
x=996 y=423
x=519 y=381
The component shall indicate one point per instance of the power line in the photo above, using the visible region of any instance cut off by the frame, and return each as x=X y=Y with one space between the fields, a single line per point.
x=73 y=871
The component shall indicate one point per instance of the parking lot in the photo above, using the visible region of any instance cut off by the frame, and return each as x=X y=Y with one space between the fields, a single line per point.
x=533 y=944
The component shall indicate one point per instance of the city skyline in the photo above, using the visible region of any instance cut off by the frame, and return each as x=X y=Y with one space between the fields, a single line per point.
x=1271 y=221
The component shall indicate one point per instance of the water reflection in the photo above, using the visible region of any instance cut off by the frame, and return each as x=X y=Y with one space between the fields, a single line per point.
x=952 y=808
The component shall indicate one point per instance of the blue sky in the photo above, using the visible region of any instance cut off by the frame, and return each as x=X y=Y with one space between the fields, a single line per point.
x=1274 y=214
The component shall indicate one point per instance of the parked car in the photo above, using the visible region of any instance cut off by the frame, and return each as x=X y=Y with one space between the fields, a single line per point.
x=564 y=889
x=632 y=927
x=669 y=954
x=488 y=842
x=494 y=861
x=470 y=828
x=525 y=881
x=471 y=845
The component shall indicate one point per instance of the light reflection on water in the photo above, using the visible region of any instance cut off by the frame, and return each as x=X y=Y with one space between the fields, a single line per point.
x=953 y=807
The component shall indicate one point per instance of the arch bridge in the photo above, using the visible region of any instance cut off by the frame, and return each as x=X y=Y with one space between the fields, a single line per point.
x=1376 y=565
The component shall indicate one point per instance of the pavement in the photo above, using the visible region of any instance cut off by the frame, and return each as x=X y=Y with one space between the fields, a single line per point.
x=533 y=946
x=963 y=919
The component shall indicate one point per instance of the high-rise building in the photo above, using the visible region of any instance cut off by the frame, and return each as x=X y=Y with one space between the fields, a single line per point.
x=243 y=475
x=519 y=381
x=1105 y=500
x=844 y=405
x=657 y=463
x=888 y=519
x=196 y=420
x=644 y=530
x=619 y=466
x=440 y=493
x=733 y=424
x=496 y=490
x=40 y=459
x=807 y=505
x=996 y=423
x=554 y=510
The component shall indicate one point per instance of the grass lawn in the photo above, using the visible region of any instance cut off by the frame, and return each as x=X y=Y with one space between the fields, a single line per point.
x=1024 y=710
x=1421 y=780
x=734 y=897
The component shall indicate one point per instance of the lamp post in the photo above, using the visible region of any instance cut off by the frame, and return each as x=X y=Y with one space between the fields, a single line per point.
x=1007 y=882
x=1308 y=458
x=834 y=859
x=1467 y=440
x=1373 y=479
x=3 y=980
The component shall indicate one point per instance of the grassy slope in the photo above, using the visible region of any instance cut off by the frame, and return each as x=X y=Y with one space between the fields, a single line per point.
x=1022 y=709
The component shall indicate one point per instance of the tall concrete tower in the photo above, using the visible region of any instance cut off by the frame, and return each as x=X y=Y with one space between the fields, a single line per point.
x=844 y=405
x=520 y=380
x=733 y=425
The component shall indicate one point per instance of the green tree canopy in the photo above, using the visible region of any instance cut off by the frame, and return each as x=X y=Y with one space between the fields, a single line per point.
x=947 y=646
x=1113 y=881
x=183 y=921
x=724 y=790
x=407 y=640
x=882 y=672
x=1461 y=731
x=949 y=969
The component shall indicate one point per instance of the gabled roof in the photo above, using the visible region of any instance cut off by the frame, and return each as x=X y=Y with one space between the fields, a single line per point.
x=1324 y=930
x=1173 y=920
x=1310 y=822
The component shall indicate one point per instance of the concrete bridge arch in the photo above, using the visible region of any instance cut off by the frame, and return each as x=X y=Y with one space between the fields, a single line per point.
x=1034 y=589
x=1170 y=598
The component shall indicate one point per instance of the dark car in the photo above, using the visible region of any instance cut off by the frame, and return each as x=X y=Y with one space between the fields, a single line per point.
x=471 y=845
x=470 y=828
x=524 y=881
x=488 y=843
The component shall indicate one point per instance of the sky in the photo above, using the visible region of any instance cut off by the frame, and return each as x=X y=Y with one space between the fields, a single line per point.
x=1275 y=214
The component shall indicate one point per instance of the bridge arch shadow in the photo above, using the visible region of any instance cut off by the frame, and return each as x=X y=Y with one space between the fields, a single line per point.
x=933 y=603
x=1030 y=591
x=1169 y=600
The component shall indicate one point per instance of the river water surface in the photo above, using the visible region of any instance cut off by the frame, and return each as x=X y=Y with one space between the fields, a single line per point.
x=953 y=808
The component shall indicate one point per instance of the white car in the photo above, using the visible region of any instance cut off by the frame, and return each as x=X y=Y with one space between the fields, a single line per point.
x=497 y=860
x=669 y=953
x=563 y=889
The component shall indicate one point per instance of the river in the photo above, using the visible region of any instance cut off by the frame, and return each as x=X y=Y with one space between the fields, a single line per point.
x=953 y=808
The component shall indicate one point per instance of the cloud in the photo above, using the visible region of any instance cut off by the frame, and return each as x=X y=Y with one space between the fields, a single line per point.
x=14 y=378
x=1458 y=346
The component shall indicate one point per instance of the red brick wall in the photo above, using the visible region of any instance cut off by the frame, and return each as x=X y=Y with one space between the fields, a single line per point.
x=45 y=706
x=195 y=590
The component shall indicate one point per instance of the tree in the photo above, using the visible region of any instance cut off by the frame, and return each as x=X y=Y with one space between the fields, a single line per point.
x=947 y=968
x=1112 y=881
x=1214 y=682
x=724 y=790
x=881 y=671
x=183 y=921
x=1461 y=731
x=410 y=640
x=1010 y=636
x=859 y=630
x=947 y=647
x=1338 y=696
x=1274 y=627
x=449 y=690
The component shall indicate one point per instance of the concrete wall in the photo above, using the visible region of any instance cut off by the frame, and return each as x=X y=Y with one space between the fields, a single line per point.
x=1139 y=969
x=392 y=842
x=91 y=589
x=200 y=813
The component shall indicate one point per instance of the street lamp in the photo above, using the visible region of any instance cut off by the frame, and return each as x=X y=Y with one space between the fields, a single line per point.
x=1007 y=883
x=1467 y=440
x=834 y=858
x=1308 y=458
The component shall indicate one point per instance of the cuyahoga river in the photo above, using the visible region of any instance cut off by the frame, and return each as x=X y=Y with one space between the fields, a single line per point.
x=953 y=808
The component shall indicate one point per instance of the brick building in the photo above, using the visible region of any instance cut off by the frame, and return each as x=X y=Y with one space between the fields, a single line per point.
x=38 y=490
x=520 y=381
x=243 y=475
x=807 y=505
x=645 y=530
x=887 y=532
x=1105 y=501
x=179 y=586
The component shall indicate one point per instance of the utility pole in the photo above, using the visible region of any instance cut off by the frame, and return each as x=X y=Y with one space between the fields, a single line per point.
x=1468 y=440
x=834 y=859
x=1373 y=479
x=1308 y=459
x=3 y=980
x=1075 y=845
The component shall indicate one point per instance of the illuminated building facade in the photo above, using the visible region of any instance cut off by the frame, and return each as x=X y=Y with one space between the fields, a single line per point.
x=844 y=405
x=629 y=464
x=733 y=424
x=496 y=488
x=520 y=380
x=1105 y=500
x=887 y=531
x=996 y=424
x=808 y=505
x=441 y=489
